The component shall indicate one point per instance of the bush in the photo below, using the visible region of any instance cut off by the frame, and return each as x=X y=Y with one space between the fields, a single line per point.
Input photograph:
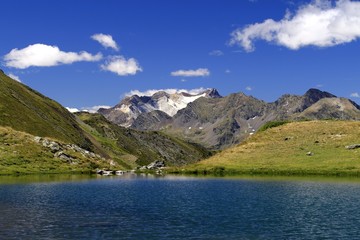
x=271 y=125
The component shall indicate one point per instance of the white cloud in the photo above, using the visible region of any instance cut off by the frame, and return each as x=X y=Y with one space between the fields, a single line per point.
x=216 y=53
x=151 y=92
x=41 y=55
x=201 y=72
x=17 y=78
x=227 y=71
x=355 y=95
x=92 y=109
x=319 y=23
x=72 y=110
x=248 y=88
x=121 y=66
x=106 y=41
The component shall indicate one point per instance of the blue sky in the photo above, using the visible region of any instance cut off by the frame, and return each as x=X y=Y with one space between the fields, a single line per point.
x=88 y=53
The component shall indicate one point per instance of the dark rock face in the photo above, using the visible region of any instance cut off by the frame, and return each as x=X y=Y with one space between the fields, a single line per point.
x=314 y=95
x=154 y=120
x=213 y=93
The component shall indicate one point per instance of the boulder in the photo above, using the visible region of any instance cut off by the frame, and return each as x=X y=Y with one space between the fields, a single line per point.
x=156 y=165
x=63 y=156
x=54 y=146
x=309 y=153
x=37 y=139
x=354 y=146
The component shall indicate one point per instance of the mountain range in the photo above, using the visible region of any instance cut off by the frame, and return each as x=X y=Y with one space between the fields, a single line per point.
x=218 y=122
x=130 y=108
x=37 y=134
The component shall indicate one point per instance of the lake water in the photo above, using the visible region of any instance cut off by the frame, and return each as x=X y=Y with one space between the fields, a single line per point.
x=140 y=207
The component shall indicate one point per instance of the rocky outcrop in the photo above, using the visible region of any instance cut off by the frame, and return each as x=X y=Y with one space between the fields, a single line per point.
x=66 y=152
x=154 y=165
x=154 y=120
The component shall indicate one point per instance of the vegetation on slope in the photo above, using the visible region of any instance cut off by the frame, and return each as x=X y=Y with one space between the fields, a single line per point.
x=26 y=110
x=21 y=153
x=132 y=148
x=297 y=148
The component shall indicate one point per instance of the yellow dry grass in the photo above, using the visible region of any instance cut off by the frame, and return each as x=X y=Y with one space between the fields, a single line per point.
x=284 y=150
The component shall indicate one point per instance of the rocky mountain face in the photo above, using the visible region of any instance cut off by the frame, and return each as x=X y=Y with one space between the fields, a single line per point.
x=219 y=122
x=131 y=107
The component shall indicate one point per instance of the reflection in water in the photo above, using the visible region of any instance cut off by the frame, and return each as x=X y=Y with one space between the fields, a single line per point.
x=146 y=207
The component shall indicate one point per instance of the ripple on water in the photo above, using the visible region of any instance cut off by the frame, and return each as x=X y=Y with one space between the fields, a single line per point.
x=178 y=208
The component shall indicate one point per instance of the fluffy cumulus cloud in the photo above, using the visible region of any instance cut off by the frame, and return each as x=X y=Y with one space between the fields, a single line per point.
x=201 y=72
x=106 y=41
x=320 y=23
x=15 y=77
x=41 y=55
x=122 y=66
x=355 y=95
x=169 y=91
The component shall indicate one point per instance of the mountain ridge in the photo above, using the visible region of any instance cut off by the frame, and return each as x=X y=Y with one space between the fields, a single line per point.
x=125 y=112
x=220 y=122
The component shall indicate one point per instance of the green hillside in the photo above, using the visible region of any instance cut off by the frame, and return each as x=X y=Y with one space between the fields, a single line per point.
x=24 y=109
x=24 y=153
x=131 y=148
x=297 y=148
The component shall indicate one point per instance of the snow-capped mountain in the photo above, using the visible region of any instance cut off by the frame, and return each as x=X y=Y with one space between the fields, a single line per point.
x=131 y=107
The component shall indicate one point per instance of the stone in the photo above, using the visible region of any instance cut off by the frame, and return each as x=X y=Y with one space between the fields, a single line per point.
x=309 y=153
x=354 y=146
x=45 y=143
x=143 y=168
x=63 y=156
x=156 y=165
x=37 y=139
x=54 y=146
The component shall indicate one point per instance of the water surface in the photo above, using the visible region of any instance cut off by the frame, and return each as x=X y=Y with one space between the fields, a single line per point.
x=139 y=207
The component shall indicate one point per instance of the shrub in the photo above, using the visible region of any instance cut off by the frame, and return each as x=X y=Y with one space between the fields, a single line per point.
x=271 y=124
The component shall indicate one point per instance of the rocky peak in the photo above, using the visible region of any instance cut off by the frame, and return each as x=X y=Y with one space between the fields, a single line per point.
x=316 y=94
x=313 y=95
x=212 y=93
x=159 y=94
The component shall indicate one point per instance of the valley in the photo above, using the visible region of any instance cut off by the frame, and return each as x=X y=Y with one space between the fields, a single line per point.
x=201 y=133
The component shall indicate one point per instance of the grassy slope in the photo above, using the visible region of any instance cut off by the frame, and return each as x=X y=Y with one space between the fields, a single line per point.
x=26 y=113
x=24 y=109
x=131 y=148
x=19 y=153
x=283 y=150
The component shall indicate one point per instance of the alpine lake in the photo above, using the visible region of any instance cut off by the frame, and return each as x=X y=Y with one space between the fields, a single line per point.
x=177 y=207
